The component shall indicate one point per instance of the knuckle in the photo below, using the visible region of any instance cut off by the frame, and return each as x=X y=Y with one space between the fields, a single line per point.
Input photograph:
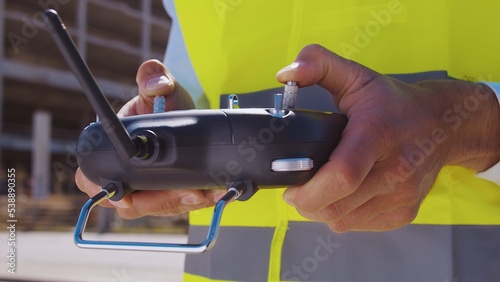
x=313 y=48
x=301 y=199
x=169 y=207
x=346 y=179
x=386 y=132
x=127 y=214
x=331 y=212
x=304 y=205
x=408 y=197
x=339 y=226
x=406 y=216
x=310 y=202
x=174 y=203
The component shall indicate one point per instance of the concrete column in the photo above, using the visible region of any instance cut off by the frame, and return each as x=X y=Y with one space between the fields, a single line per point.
x=146 y=30
x=2 y=54
x=40 y=161
x=81 y=26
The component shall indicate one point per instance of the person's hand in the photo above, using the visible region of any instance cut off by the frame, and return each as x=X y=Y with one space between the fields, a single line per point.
x=153 y=79
x=398 y=138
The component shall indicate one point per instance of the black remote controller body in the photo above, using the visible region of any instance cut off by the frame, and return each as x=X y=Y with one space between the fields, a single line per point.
x=208 y=149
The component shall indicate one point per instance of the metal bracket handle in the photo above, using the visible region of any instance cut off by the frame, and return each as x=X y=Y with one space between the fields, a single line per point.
x=108 y=192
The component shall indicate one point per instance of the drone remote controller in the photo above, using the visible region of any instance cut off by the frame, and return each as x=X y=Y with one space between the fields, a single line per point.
x=238 y=149
x=210 y=149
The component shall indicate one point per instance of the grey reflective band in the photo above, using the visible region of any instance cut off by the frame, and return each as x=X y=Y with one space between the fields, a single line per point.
x=242 y=254
x=315 y=97
x=420 y=76
x=311 y=252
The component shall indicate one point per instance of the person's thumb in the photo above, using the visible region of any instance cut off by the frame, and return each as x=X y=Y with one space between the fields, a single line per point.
x=317 y=65
x=153 y=79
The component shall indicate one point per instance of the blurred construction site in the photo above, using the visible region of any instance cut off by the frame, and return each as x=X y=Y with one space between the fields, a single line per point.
x=43 y=110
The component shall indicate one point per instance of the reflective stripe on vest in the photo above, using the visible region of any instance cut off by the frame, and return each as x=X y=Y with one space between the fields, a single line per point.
x=412 y=253
x=242 y=254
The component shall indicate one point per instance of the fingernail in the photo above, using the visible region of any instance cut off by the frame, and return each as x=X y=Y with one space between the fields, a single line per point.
x=290 y=67
x=218 y=195
x=157 y=82
x=191 y=199
x=119 y=204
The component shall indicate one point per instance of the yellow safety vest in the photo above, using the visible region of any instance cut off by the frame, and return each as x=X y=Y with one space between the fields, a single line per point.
x=237 y=46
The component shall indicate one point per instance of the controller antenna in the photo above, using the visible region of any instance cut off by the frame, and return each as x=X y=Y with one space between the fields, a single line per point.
x=115 y=130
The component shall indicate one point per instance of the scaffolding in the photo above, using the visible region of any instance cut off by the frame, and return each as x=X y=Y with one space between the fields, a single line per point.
x=42 y=109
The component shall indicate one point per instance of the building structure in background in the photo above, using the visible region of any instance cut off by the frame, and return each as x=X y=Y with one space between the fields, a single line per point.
x=37 y=90
x=42 y=107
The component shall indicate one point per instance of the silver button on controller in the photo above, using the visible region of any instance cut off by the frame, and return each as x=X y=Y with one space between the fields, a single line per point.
x=292 y=164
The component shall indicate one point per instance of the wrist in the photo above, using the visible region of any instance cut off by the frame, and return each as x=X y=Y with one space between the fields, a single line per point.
x=472 y=120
